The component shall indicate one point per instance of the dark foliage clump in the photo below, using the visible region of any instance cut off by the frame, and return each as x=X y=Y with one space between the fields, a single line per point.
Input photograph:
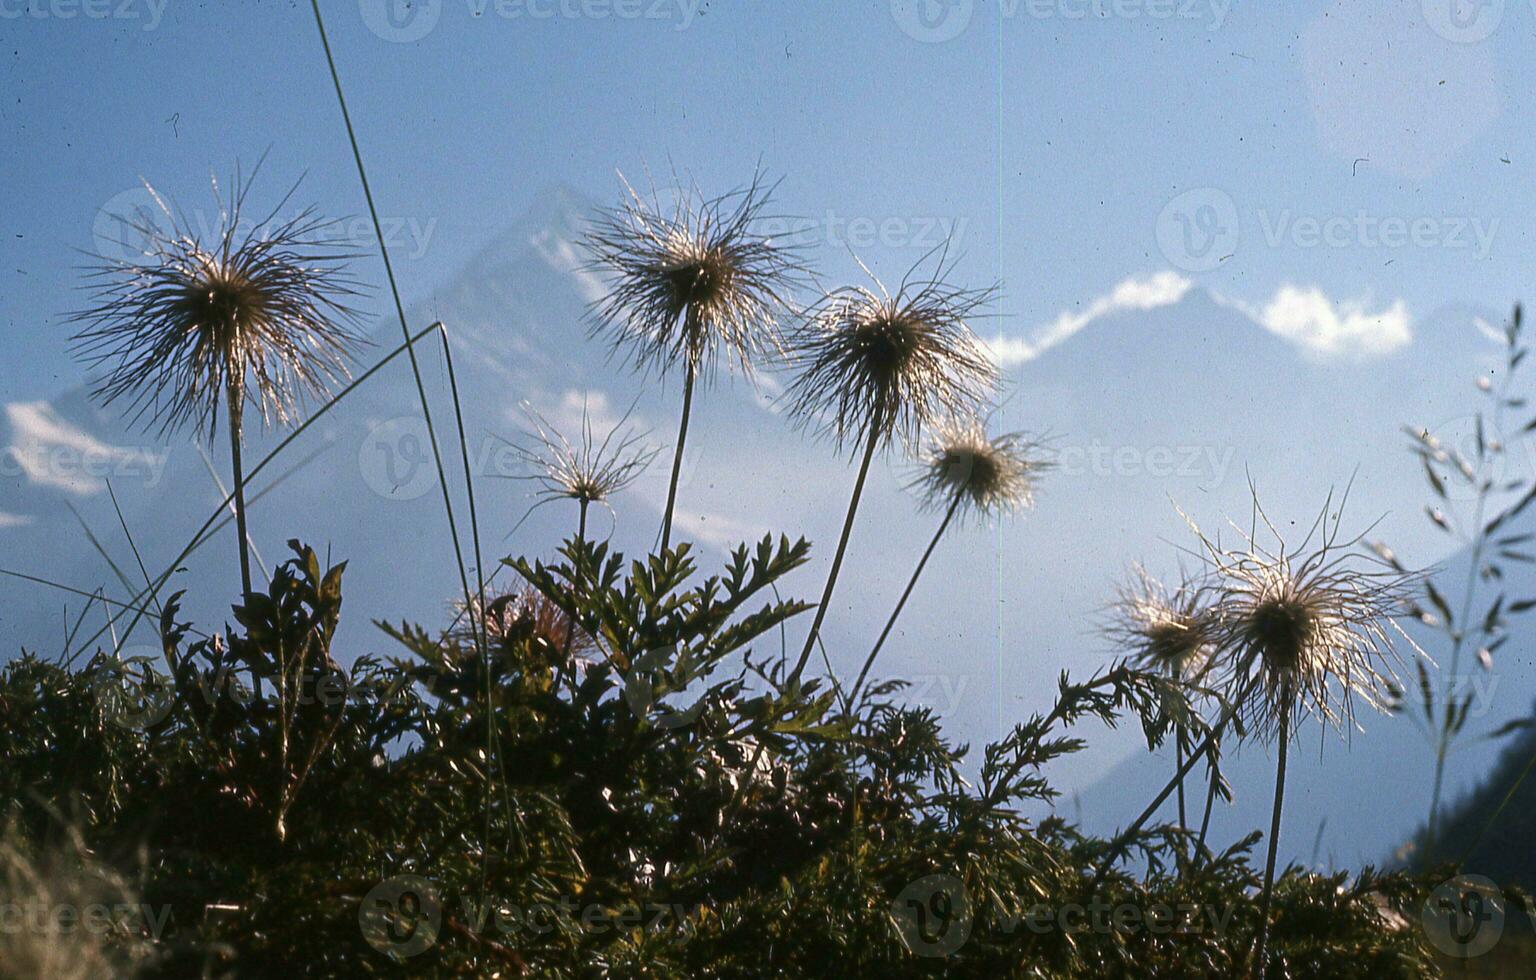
x=661 y=799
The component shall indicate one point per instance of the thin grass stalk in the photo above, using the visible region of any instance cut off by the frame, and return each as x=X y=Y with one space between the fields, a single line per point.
x=491 y=745
x=1443 y=741
x=96 y=595
x=869 y=661
x=1261 y=966
x=236 y=415
x=1479 y=545
x=394 y=290
x=842 y=548
x=1210 y=802
x=677 y=456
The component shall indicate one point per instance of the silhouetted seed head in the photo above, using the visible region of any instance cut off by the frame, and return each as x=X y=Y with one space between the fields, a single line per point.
x=872 y=363
x=1171 y=632
x=516 y=617
x=993 y=477
x=692 y=281
x=1309 y=629
x=260 y=310
x=589 y=471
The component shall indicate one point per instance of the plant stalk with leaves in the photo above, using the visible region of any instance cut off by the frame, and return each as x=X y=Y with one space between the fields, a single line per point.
x=1477 y=474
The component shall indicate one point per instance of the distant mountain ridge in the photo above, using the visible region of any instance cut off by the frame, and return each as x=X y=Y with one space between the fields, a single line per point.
x=1183 y=403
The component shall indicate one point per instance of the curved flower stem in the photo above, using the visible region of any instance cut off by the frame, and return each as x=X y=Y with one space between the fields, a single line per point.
x=677 y=456
x=1260 y=966
x=842 y=548
x=949 y=515
x=1117 y=846
x=236 y=398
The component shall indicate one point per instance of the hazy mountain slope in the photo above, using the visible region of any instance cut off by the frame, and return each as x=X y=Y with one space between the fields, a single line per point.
x=1180 y=402
x=1357 y=797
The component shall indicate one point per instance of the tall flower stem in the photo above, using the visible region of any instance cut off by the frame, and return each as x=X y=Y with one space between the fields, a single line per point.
x=842 y=548
x=1210 y=802
x=677 y=456
x=1179 y=739
x=869 y=661
x=570 y=623
x=236 y=396
x=1260 y=966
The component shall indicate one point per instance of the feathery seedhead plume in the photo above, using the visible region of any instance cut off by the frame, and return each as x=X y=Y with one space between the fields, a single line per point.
x=1309 y=629
x=260 y=311
x=693 y=281
x=1166 y=630
x=588 y=472
x=992 y=476
x=514 y=617
x=876 y=364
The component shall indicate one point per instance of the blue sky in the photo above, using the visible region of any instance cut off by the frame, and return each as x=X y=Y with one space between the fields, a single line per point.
x=1352 y=177
x=1066 y=142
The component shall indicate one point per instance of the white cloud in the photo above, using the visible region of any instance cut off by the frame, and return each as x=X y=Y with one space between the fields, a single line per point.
x=13 y=520
x=1347 y=328
x=51 y=452
x=1163 y=289
x=717 y=529
x=1306 y=317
